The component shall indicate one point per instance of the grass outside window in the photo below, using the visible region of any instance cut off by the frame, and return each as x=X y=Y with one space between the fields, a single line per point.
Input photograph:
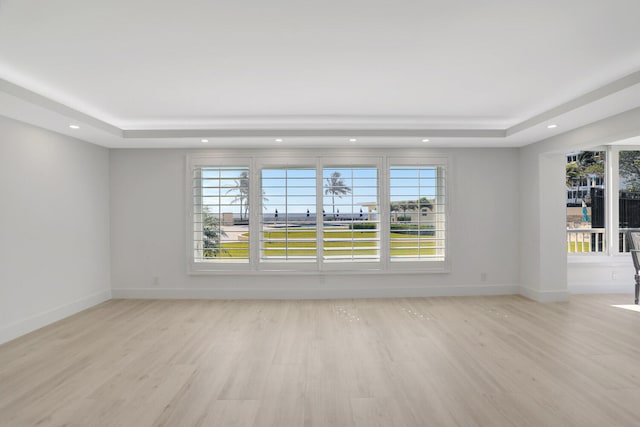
x=304 y=244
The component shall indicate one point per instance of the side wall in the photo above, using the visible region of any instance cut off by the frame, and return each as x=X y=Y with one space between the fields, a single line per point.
x=148 y=235
x=54 y=227
x=546 y=273
x=543 y=257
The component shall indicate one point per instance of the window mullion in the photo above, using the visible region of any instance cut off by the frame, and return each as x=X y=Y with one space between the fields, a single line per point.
x=196 y=203
x=384 y=214
x=441 y=217
x=255 y=212
x=612 y=186
x=319 y=215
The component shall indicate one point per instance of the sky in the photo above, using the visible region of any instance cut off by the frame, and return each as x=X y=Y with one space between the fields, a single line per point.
x=293 y=190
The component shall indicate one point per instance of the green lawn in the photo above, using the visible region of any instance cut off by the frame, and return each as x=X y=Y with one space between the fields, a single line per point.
x=303 y=243
x=573 y=247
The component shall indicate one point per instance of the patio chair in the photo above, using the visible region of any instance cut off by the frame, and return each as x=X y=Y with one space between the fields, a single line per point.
x=633 y=242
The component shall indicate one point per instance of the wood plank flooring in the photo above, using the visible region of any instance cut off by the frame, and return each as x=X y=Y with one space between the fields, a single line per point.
x=477 y=361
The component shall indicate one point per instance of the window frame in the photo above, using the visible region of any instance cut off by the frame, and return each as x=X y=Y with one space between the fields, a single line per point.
x=427 y=265
x=256 y=163
x=201 y=161
x=612 y=213
x=291 y=162
x=351 y=162
x=614 y=196
x=608 y=187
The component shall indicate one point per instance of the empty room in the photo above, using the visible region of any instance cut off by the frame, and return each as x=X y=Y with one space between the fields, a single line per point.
x=338 y=213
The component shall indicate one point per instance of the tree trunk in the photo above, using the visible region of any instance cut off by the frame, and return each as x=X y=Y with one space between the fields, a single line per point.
x=333 y=204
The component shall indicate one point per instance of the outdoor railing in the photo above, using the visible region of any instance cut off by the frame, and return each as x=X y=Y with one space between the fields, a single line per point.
x=590 y=240
x=622 y=241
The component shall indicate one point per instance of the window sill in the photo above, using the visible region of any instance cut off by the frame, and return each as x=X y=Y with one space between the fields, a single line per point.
x=436 y=269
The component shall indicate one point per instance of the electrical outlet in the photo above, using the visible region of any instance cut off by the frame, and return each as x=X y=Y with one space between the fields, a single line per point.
x=483 y=277
x=156 y=280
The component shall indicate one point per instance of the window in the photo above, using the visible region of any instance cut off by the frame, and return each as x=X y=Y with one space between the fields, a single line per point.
x=289 y=214
x=316 y=213
x=628 y=194
x=585 y=182
x=416 y=205
x=350 y=205
x=220 y=214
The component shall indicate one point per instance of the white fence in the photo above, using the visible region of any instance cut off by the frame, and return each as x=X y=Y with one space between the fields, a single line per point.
x=586 y=240
x=593 y=240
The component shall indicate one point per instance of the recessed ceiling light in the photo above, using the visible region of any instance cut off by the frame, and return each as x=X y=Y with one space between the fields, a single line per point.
x=204 y=140
x=425 y=140
x=352 y=140
x=552 y=126
x=278 y=139
x=74 y=126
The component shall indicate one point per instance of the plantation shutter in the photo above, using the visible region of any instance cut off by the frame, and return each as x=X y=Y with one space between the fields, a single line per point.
x=220 y=214
x=288 y=231
x=417 y=212
x=351 y=226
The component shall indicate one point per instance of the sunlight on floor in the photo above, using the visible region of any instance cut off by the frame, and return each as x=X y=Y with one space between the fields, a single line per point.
x=632 y=307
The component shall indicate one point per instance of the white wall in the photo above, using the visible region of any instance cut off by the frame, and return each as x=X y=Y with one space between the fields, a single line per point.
x=54 y=227
x=148 y=235
x=543 y=274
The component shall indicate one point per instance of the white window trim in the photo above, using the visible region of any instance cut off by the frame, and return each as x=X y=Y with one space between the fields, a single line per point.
x=257 y=163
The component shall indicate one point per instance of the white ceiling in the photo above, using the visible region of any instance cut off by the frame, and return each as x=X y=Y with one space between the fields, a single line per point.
x=459 y=72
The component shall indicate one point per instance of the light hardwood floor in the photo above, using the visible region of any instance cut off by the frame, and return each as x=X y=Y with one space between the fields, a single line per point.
x=491 y=361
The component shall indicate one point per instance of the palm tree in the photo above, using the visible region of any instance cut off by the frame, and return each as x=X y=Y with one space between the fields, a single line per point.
x=588 y=164
x=591 y=163
x=242 y=187
x=407 y=205
x=588 y=158
x=336 y=187
x=573 y=175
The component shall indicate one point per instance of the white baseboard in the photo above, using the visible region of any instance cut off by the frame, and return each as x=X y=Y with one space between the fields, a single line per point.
x=24 y=326
x=543 y=296
x=627 y=287
x=311 y=293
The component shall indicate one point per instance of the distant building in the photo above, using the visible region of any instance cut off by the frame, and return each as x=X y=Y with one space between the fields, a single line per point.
x=580 y=191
